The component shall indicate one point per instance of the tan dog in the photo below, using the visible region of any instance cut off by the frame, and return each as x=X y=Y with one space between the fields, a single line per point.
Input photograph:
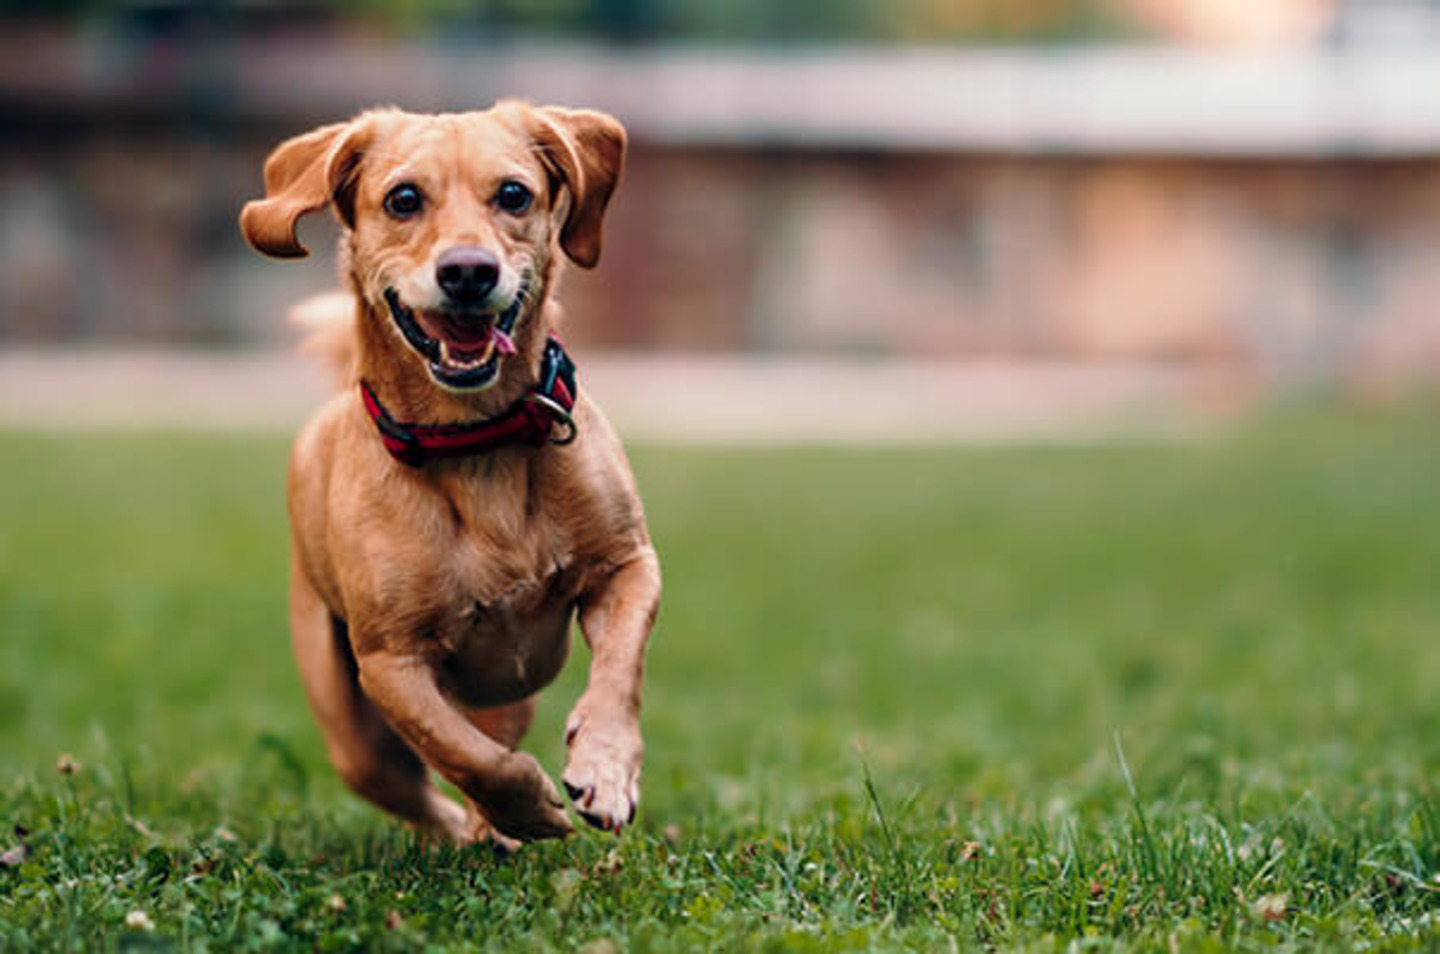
x=432 y=598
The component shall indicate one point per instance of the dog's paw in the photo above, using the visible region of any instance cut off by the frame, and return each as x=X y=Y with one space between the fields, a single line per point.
x=481 y=832
x=520 y=801
x=603 y=775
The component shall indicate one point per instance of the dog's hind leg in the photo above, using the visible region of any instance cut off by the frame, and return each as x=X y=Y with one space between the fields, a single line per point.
x=374 y=761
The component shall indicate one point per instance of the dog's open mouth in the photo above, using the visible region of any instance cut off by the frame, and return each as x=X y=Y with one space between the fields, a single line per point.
x=463 y=348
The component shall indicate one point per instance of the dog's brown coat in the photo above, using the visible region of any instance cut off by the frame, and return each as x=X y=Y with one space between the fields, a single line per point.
x=429 y=606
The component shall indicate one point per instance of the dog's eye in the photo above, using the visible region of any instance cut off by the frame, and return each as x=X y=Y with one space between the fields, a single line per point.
x=513 y=197
x=403 y=201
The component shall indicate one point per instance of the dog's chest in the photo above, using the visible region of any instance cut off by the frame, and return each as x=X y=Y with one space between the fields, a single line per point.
x=505 y=624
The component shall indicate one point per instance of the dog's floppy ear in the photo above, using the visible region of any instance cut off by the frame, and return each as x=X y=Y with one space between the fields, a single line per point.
x=587 y=151
x=304 y=174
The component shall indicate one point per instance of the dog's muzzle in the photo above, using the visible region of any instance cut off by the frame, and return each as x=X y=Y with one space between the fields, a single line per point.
x=468 y=365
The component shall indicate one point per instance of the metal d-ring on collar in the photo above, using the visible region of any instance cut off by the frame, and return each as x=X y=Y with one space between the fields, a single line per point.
x=556 y=370
x=559 y=414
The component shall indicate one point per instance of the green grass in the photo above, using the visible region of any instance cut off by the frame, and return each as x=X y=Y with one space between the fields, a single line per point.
x=885 y=708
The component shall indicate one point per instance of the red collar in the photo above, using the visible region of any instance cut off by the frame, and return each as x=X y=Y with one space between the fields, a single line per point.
x=530 y=420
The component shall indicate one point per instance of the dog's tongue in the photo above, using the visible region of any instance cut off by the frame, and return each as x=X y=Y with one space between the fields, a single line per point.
x=465 y=335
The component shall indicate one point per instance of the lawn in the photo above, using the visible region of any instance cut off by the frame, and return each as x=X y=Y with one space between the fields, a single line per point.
x=1182 y=696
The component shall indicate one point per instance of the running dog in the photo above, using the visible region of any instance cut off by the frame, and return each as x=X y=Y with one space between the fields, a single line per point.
x=460 y=501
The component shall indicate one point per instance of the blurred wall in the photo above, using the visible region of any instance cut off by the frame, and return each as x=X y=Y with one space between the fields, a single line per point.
x=948 y=204
x=1291 y=268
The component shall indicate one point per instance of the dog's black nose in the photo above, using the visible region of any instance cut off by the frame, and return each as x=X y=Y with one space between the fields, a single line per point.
x=466 y=273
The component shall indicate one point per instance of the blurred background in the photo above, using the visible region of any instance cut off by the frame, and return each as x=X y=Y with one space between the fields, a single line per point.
x=1032 y=212
x=952 y=223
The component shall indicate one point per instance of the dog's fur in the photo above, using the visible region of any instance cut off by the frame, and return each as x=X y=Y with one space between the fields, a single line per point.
x=429 y=605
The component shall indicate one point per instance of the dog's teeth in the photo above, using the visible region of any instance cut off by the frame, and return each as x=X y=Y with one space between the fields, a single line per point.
x=467 y=363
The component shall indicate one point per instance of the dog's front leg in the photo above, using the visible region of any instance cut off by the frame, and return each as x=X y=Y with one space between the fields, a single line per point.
x=603 y=731
x=511 y=788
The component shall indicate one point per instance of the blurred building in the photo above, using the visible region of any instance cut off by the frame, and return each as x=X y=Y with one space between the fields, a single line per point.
x=1275 y=208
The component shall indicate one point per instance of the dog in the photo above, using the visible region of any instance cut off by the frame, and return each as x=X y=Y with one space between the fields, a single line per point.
x=460 y=502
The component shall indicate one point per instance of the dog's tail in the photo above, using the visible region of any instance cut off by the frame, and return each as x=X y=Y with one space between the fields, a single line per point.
x=328 y=321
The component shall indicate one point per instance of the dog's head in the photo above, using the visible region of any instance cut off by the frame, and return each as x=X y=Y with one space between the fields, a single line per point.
x=451 y=221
